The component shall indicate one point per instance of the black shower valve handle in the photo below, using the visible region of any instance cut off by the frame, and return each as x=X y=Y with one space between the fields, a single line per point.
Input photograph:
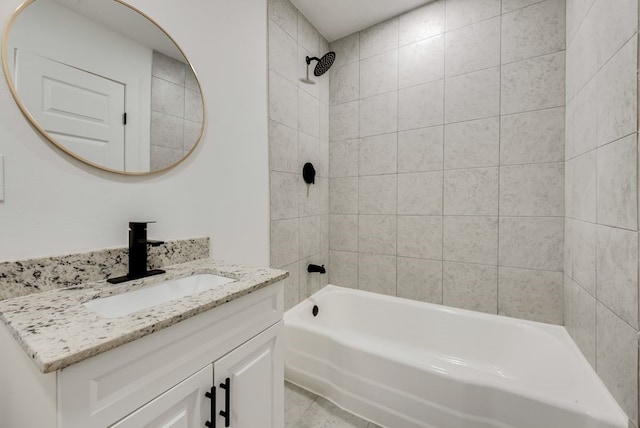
x=309 y=173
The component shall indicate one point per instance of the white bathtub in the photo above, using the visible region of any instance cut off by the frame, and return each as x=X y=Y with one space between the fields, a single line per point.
x=401 y=363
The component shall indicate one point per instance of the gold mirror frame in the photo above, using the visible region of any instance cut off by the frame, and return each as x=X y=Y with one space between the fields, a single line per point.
x=45 y=134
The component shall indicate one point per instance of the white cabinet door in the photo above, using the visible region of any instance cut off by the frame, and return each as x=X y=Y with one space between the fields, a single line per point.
x=255 y=374
x=183 y=406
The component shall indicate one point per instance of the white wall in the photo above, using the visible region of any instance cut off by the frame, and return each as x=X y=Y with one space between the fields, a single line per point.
x=56 y=205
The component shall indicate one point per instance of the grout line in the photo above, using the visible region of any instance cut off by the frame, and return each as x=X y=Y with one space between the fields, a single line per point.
x=499 y=163
x=359 y=62
x=397 y=174
x=444 y=134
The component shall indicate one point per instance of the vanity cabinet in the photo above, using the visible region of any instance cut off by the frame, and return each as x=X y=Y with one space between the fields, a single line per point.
x=248 y=388
x=162 y=379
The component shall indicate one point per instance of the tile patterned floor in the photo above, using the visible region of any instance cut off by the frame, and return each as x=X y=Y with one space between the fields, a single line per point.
x=303 y=409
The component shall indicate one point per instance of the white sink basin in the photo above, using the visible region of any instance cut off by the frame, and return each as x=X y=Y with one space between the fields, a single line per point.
x=133 y=301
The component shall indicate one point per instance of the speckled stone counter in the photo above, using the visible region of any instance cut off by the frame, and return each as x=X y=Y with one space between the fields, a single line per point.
x=56 y=330
x=24 y=277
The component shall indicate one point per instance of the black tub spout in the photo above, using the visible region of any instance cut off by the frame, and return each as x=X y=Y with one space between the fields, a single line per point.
x=316 y=268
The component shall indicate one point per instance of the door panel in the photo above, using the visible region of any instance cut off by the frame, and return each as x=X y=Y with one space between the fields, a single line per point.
x=255 y=370
x=183 y=406
x=80 y=110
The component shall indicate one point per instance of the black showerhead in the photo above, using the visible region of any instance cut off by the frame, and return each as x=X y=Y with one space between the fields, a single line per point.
x=324 y=63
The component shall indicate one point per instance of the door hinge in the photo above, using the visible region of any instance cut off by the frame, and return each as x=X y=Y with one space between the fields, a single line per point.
x=124 y=118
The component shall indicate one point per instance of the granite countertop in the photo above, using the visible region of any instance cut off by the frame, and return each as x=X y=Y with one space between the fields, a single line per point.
x=56 y=330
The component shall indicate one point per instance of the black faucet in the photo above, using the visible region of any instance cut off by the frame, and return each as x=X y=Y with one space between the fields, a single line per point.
x=316 y=268
x=138 y=245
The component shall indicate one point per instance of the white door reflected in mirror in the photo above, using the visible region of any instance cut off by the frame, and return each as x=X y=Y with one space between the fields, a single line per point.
x=82 y=111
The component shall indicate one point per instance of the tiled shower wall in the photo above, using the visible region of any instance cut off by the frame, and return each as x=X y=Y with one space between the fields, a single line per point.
x=601 y=231
x=176 y=111
x=298 y=133
x=446 y=157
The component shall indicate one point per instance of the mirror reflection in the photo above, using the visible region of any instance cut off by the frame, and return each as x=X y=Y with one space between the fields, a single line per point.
x=104 y=83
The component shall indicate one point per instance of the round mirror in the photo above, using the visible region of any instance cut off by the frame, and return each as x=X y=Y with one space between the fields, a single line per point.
x=104 y=83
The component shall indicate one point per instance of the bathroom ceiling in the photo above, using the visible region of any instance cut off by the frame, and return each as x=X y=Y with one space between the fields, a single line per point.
x=338 y=18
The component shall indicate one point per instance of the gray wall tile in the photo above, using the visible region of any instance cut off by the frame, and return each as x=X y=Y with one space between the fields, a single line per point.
x=284 y=195
x=344 y=269
x=465 y=12
x=343 y=158
x=617 y=95
x=167 y=131
x=420 y=149
x=421 y=106
x=379 y=74
x=167 y=68
x=343 y=232
x=291 y=286
x=420 y=193
x=617 y=191
x=344 y=83
x=343 y=195
x=283 y=148
x=583 y=252
x=377 y=234
x=378 y=155
x=532 y=190
x=309 y=236
x=283 y=104
x=617 y=272
x=283 y=52
x=421 y=62
x=379 y=38
x=472 y=48
x=378 y=194
x=379 y=114
x=167 y=97
x=583 y=120
x=420 y=236
x=580 y=318
x=531 y=242
x=308 y=36
x=420 y=279
x=308 y=114
x=471 y=191
x=164 y=157
x=472 y=96
x=511 y=5
x=344 y=119
x=284 y=242
x=377 y=273
x=193 y=107
x=283 y=13
x=347 y=50
x=614 y=26
x=471 y=239
x=531 y=294
x=617 y=358
x=583 y=189
x=532 y=137
x=472 y=144
x=533 y=31
x=422 y=23
x=470 y=286
x=533 y=84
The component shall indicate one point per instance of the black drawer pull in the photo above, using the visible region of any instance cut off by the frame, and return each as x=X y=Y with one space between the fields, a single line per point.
x=226 y=413
x=212 y=396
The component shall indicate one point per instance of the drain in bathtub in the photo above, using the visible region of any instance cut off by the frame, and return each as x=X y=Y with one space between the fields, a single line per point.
x=314 y=311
